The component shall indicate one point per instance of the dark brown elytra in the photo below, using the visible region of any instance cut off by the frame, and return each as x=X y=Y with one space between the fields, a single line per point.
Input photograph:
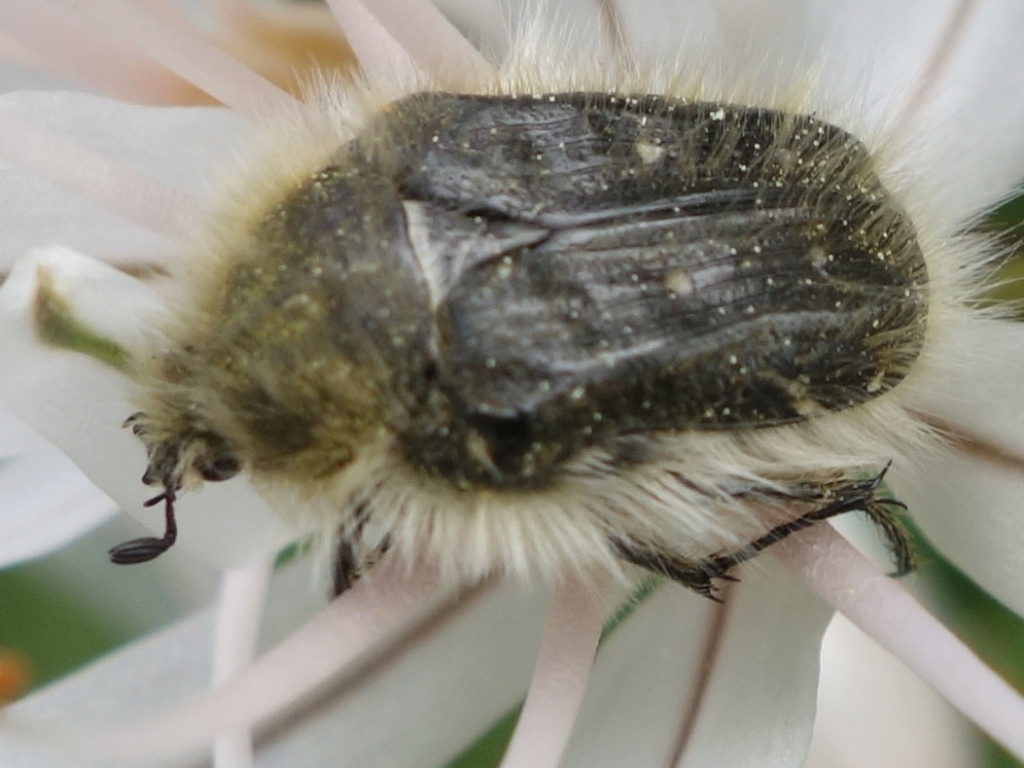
x=504 y=282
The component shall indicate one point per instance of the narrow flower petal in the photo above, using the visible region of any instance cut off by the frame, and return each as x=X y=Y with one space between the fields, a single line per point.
x=687 y=682
x=419 y=30
x=980 y=390
x=560 y=679
x=289 y=44
x=380 y=55
x=187 y=53
x=239 y=610
x=239 y=614
x=106 y=182
x=491 y=25
x=431 y=39
x=888 y=41
x=889 y=614
x=79 y=403
x=83 y=53
x=175 y=148
x=970 y=508
x=484 y=22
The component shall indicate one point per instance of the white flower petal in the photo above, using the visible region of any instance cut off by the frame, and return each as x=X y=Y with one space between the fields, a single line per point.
x=758 y=706
x=481 y=21
x=981 y=387
x=65 y=46
x=421 y=710
x=489 y=24
x=47 y=503
x=776 y=643
x=761 y=702
x=973 y=511
x=428 y=705
x=175 y=146
x=778 y=27
x=976 y=117
x=889 y=614
x=966 y=130
x=402 y=31
x=873 y=711
x=16 y=438
x=129 y=602
x=433 y=703
x=874 y=47
x=79 y=405
x=665 y=31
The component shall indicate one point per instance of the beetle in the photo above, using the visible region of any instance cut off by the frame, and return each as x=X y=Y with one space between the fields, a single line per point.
x=554 y=327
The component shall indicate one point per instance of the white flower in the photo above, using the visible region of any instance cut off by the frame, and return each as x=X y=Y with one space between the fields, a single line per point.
x=682 y=678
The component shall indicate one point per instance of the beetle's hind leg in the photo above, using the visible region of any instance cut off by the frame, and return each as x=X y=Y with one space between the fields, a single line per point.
x=856 y=495
x=880 y=512
x=351 y=562
x=353 y=556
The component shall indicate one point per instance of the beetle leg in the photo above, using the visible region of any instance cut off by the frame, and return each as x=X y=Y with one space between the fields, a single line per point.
x=700 y=575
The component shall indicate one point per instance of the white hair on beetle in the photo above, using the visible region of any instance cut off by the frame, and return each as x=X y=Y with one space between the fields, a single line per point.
x=476 y=532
